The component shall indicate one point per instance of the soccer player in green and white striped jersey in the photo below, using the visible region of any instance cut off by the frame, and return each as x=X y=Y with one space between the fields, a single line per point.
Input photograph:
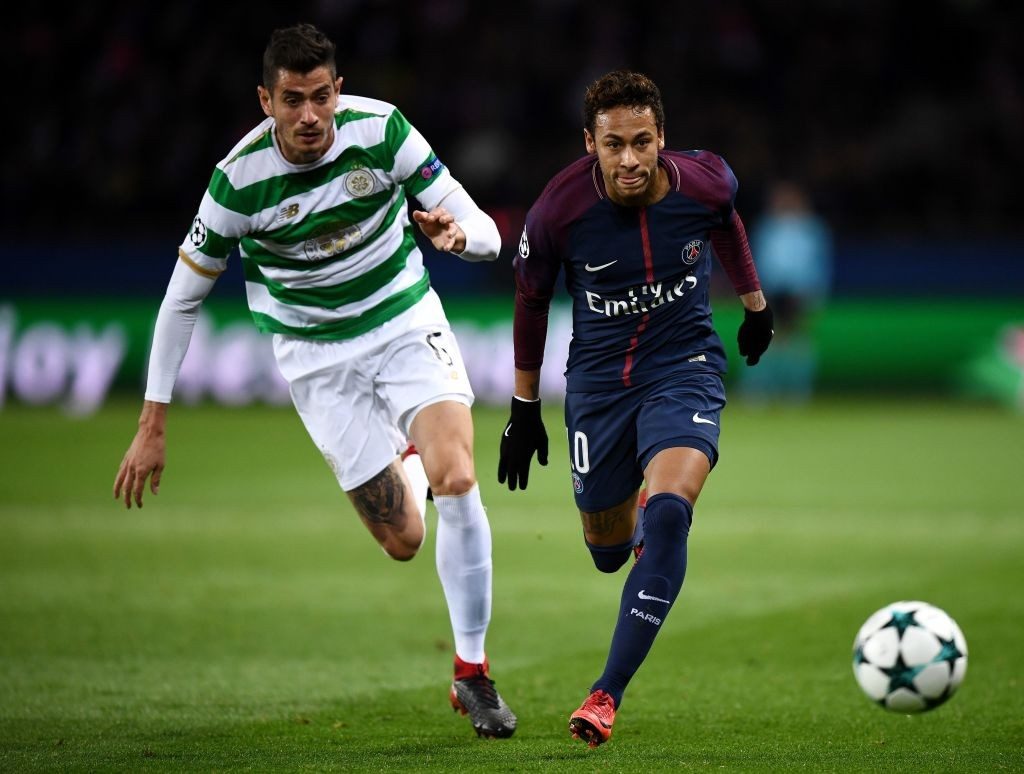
x=314 y=199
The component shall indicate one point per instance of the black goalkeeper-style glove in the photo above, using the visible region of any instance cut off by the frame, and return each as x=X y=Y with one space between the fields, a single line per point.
x=755 y=334
x=524 y=434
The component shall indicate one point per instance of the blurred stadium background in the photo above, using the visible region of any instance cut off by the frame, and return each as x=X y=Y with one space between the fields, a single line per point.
x=900 y=121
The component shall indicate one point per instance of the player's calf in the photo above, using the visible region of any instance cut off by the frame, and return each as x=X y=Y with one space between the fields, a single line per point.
x=610 y=558
x=389 y=513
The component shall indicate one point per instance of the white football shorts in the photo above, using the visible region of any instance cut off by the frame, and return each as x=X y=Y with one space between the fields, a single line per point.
x=358 y=397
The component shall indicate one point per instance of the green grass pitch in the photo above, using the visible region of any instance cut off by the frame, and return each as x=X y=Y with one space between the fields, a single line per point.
x=244 y=619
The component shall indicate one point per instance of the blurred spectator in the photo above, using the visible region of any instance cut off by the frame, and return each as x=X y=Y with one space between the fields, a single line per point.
x=792 y=247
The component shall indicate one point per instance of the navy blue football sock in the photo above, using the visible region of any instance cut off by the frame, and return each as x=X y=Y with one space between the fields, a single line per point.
x=650 y=589
x=638 y=532
x=610 y=558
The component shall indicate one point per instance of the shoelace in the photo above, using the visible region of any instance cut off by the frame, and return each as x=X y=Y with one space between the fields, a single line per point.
x=602 y=705
x=485 y=690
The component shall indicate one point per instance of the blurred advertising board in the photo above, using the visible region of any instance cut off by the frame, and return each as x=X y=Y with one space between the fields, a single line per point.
x=76 y=354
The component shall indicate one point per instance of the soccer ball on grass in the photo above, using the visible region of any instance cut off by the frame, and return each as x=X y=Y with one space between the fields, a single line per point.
x=909 y=657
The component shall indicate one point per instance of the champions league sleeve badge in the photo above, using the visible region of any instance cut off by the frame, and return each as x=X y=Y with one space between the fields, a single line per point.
x=197 y=236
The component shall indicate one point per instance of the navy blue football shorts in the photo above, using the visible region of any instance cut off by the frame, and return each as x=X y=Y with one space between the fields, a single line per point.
x=614 y=435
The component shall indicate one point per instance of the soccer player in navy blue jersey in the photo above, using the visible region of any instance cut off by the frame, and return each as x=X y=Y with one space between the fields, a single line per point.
x=633 y=226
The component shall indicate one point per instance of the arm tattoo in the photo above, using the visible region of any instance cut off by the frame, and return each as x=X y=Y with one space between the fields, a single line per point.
x=603 y=522
x=381 y=500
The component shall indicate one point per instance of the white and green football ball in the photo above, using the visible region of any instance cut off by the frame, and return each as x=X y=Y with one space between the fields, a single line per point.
x=909 y=657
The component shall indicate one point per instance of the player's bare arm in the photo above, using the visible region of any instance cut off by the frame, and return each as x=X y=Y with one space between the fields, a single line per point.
x=145 y=457
x=527 y=384
x=754 y=301
x=440 y=228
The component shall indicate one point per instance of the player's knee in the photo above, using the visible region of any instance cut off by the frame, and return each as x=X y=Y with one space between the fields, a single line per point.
x=454 y=482
x=400 y=550
x=667 y=514
x=610 y=558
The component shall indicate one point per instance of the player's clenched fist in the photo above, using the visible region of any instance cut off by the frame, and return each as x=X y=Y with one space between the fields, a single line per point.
x=755 y=334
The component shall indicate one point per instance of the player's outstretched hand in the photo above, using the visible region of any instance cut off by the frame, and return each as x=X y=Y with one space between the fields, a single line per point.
x=144 y=459
x=440 y=228
x=755 y=333
x=524 y=434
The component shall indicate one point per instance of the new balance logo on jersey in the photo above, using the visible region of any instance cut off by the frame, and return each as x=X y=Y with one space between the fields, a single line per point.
x=287 y=213
x=641 y=299
x=646 y=616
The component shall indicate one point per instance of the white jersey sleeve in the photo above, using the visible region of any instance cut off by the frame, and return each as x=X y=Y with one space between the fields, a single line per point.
x=432 y=184
x=173 y=332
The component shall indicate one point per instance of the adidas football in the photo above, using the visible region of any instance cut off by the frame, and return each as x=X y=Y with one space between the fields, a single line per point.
x=909 y=657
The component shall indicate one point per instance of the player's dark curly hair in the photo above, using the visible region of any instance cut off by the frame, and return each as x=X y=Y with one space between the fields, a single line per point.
x=622 y=88
x=298 y=49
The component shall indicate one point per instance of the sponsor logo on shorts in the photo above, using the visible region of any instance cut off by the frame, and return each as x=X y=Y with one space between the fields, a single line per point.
x=332 y=462
x=701 y=420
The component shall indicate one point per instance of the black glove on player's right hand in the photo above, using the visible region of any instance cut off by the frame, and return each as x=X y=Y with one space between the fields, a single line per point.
x=524 y=434
x=755 y=334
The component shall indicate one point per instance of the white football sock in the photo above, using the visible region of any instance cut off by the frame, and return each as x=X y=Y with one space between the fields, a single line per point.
x=418 y=478
x=464 y=566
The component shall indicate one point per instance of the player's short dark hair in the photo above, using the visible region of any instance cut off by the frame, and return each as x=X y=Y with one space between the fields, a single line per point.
x=622 y=88
x=297 y=49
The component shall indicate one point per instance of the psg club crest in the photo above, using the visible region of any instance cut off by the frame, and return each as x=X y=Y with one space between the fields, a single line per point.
x=577 y=482
x=692 y=251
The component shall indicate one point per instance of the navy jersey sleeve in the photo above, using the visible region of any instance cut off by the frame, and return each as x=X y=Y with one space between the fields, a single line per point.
x=707 y=178
x=733 y=251
x=540 y=257
x=536 y=269
x=714 y=184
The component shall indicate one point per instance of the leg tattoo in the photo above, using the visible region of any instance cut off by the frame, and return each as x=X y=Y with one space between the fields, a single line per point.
x=381 y=500
x=604 y=522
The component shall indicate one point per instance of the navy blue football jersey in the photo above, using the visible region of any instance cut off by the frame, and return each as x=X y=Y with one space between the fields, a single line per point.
x=638 y=276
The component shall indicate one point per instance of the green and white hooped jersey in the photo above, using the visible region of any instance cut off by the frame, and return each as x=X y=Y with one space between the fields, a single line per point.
x=327 y=248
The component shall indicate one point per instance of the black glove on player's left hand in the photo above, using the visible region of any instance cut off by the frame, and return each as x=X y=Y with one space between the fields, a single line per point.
x=755 y=334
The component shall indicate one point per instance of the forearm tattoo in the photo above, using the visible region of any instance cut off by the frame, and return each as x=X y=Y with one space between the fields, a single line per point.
x=603 y=522
x=381 y=500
